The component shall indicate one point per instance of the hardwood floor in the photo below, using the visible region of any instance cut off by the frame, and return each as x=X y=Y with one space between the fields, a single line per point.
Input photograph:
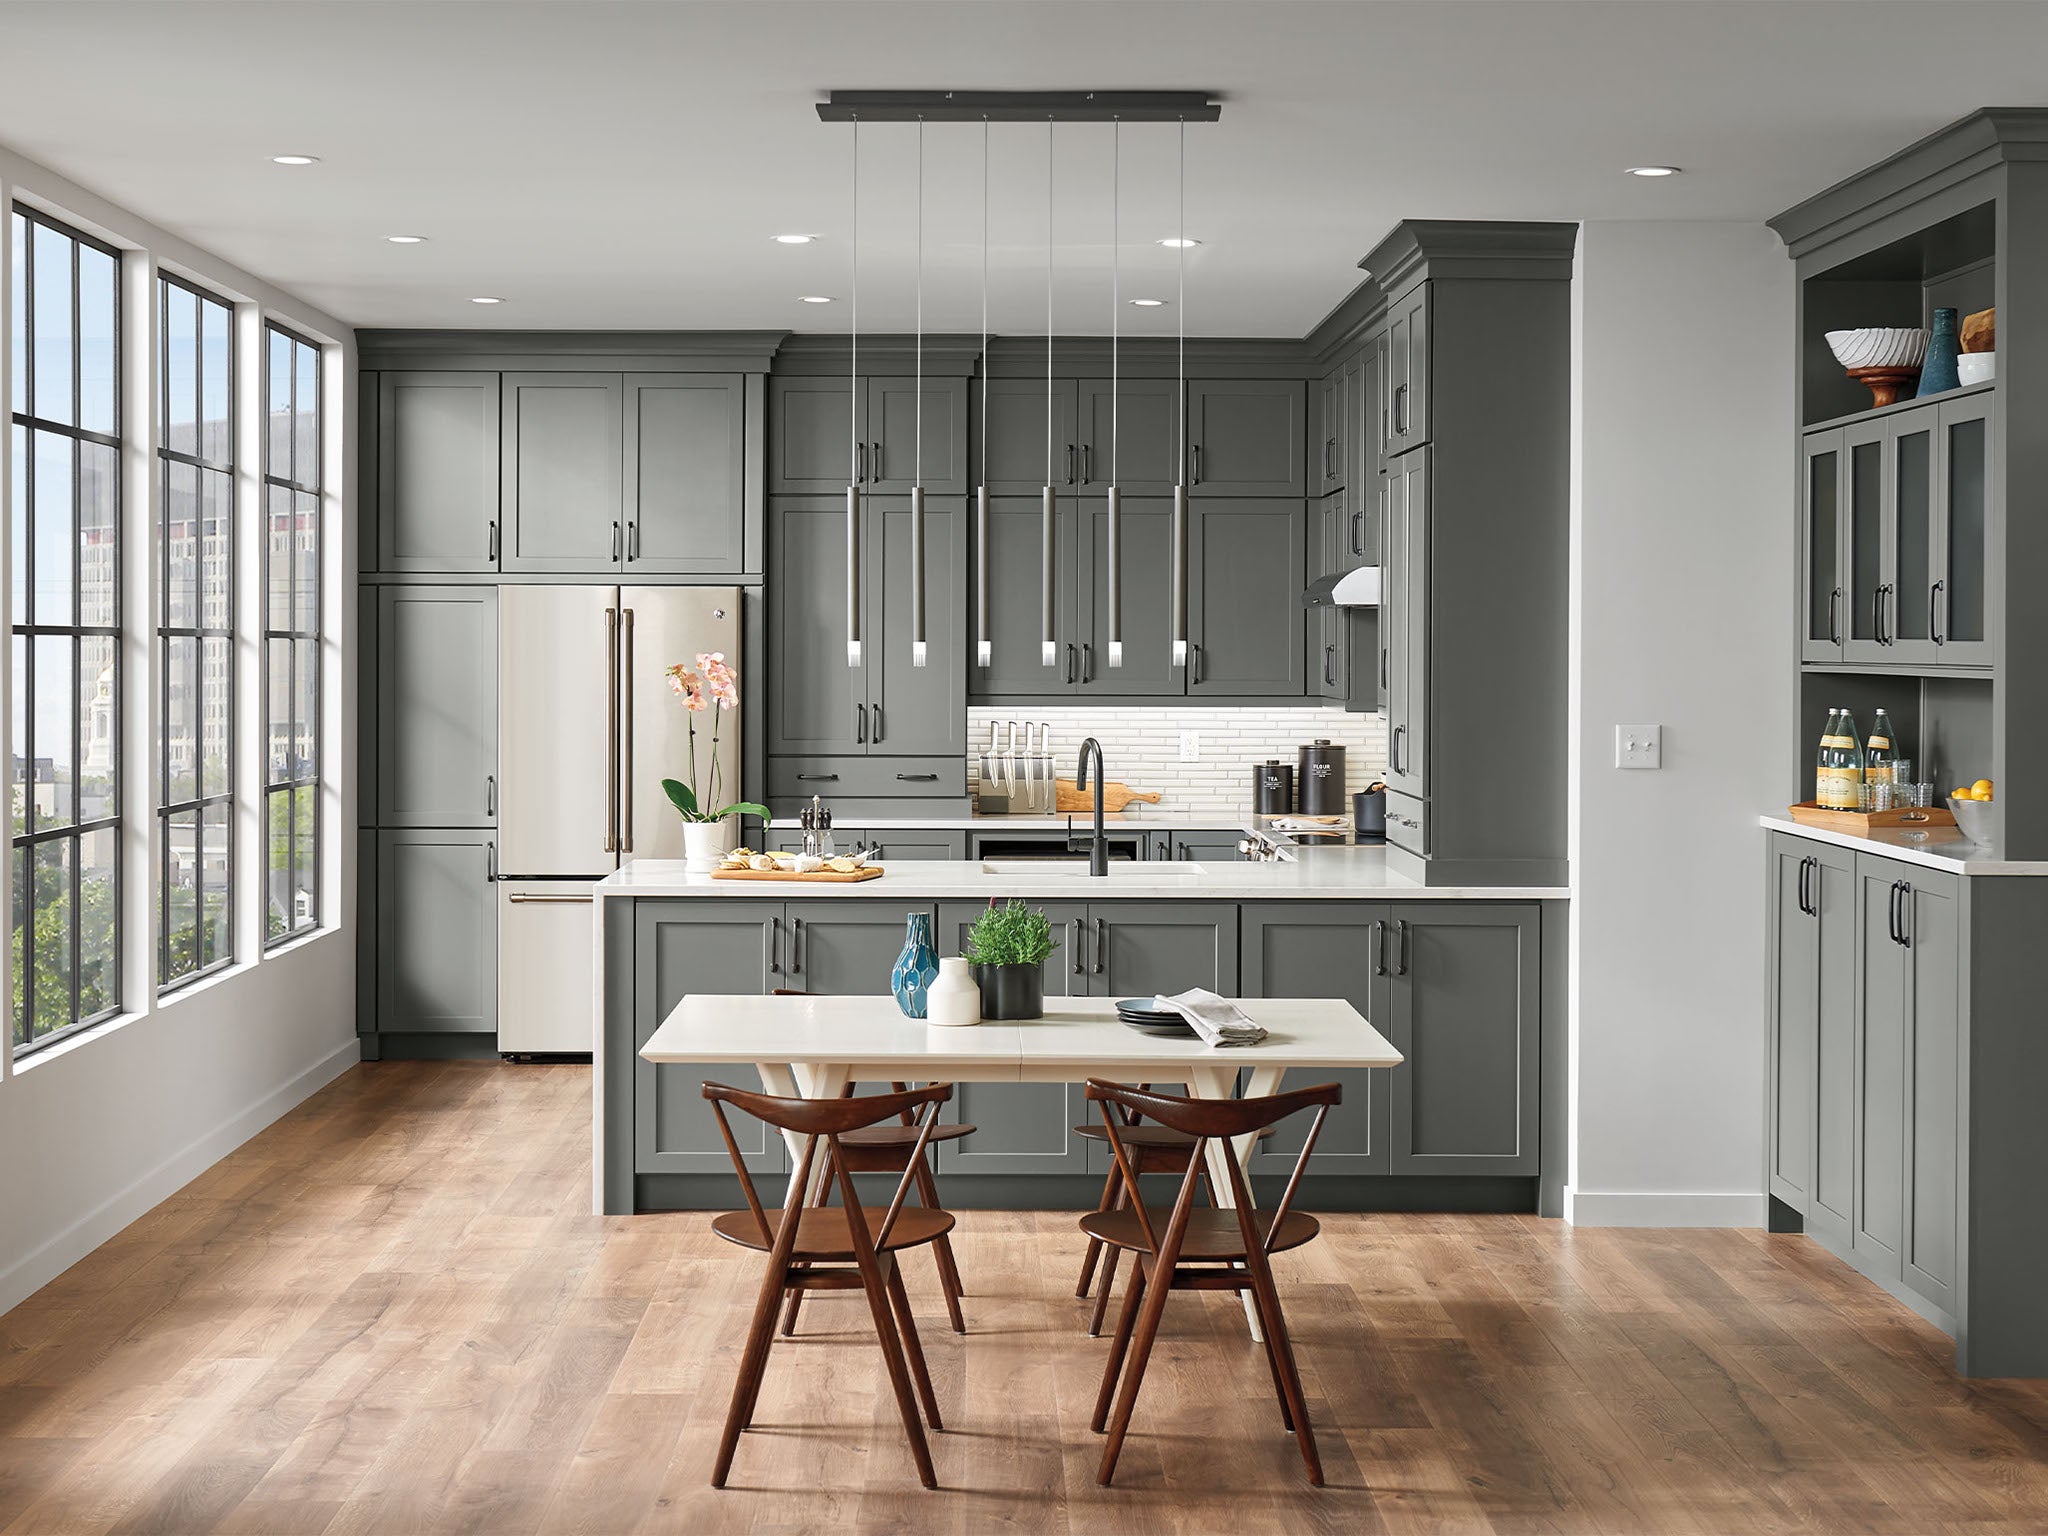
x=391 y=1312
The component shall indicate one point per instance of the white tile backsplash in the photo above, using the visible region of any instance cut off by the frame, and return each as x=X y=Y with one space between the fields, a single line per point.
x=1141 y=747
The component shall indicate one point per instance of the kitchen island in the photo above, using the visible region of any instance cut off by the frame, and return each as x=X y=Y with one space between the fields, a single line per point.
x=1467 y=982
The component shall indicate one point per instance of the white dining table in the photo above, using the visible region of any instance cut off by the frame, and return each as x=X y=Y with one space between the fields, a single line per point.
x=812 y=1047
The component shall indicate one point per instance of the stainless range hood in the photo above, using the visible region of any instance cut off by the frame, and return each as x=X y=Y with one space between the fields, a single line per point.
x=1346 y=589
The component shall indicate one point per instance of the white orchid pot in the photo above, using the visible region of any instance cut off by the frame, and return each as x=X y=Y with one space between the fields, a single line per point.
x=705 y=844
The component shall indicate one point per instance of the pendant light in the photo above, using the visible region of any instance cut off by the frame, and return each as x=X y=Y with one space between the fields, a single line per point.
x=1048 y=642
x=854 y=451
x=984 y=645
x=1180 y=457
x=919 y=651
x=1116 y=500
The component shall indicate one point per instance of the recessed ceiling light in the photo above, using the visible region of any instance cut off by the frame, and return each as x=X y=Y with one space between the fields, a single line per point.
x=406 y=239
x=1148 y=303
x=794 y=239
x=1653 y=170
x=294 y=159
x=1176 y=243
x=486 y=299
x=814 y=298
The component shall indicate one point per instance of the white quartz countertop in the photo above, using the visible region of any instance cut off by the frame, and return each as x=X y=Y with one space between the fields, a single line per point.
x=1080 y=821
x=1943 y=848
x=1358 y=874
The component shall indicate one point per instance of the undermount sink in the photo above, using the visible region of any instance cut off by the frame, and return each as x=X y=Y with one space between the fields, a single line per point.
x=1119 y=869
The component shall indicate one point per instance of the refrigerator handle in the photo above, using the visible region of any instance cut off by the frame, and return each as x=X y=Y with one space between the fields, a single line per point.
x=626 y=693
x=611 y=730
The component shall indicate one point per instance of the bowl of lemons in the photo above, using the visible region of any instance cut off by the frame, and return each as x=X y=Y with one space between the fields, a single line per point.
x=1974 y=809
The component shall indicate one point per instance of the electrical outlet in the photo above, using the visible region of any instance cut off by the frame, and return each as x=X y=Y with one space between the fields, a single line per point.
x=1639 y=746
x=1190 y=747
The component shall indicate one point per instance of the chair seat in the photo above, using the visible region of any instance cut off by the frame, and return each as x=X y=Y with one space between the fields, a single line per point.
x=1210 y=1234
x=822 y=1231
x=1147 y=1135
x=904 y=1136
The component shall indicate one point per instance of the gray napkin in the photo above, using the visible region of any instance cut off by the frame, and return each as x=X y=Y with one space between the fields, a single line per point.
x=1216 y=1019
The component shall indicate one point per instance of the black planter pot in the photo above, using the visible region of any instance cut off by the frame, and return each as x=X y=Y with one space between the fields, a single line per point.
x=1011 y=991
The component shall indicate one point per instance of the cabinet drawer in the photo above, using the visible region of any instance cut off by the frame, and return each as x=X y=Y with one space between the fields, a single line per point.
x=1407 y=822
x=869 y=777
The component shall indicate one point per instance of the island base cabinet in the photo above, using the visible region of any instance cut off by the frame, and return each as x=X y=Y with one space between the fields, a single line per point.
x=842 y=948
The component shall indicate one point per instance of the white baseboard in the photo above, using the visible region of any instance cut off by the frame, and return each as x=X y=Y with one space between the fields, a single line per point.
x=1661 y=1208
x=30 y=1273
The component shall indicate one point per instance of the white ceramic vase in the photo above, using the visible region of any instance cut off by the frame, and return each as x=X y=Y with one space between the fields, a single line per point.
x=952 y=998
x=705 y=844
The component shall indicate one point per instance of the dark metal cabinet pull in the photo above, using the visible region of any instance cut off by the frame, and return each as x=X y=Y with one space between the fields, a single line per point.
x=820 y=777
x=1805 y=866
x=1072 y=460
x=860 y=463
x=1195 y=464
x=918 y=778
x=1401 y=410
x=493 y=536
x=1329 y=666
x=1401 y=939
x=1073 y=656
x=860 y=725
x=1358 y=532
x=1934 y=595
x=1101 y=945
x=1087 y=662
x=1383 y=669
x=633 y=538
x=774 y=946
x=796 y=942
x=618 y=547
x=1835 y=617
x=1079 y=944
x=1194 y=663
x=876 y=710
x=1087 y=463
x=878 y=462
x=1394 y=749
x=1379 y=947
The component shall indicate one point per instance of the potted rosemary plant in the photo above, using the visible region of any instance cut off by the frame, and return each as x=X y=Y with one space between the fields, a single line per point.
x=707 y=826
x=1009 y=944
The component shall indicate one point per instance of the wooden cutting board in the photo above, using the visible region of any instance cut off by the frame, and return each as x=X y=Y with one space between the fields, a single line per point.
x=1115 y=796
x=815 y=877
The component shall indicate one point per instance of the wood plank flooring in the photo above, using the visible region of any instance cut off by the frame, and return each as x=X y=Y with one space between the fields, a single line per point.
x=392 y=1313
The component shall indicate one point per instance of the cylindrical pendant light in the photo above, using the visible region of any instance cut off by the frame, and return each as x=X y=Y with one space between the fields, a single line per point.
x=1180 y=458
x=984 y=645
x=853 y=448
x=919 y=651
x=1115 y=532
x=1048 y=640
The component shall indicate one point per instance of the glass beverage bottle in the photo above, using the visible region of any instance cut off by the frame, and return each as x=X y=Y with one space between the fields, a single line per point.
x=1838 y=768
x=1881 y=751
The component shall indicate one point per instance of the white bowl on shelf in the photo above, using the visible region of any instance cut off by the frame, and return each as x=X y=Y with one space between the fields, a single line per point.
x=1977 y=367
x=1975 y=819
x=1879 y=347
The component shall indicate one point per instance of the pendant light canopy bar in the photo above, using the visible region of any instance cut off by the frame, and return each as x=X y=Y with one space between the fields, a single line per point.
x=1020 y=106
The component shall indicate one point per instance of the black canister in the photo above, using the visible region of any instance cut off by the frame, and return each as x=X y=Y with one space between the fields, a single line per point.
x=1319 y=779
x=1369 y=815
x=1272 y=789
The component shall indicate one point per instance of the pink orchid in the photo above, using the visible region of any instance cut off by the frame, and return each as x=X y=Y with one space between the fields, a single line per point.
x=721 y=680
x=689 y=687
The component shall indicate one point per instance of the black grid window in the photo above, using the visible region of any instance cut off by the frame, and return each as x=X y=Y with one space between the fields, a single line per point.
x=65 y=528
x=291 y=633
x=195 y=645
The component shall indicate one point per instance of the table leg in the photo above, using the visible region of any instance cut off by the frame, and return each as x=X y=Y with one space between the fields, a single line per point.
x=803 y=1080
x=1221 y=1083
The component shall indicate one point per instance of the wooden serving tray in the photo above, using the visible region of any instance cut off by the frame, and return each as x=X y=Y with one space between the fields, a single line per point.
x=816 y=876
x=1811 y=813
x=1115 y=796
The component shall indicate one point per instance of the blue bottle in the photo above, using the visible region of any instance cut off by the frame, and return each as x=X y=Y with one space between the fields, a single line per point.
x=916 y=967
x=1938 y=373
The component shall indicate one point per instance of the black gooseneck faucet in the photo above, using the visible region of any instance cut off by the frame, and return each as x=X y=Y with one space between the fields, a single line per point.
x=1098 y=850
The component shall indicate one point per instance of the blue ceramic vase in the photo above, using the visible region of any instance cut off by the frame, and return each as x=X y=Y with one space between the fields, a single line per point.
x=916 y=966
x=1938 y=373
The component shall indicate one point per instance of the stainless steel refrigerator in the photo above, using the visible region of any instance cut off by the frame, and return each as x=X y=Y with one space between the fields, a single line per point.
x=587 y=729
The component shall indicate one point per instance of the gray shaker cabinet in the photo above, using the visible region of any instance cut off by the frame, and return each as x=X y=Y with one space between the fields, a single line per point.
x=436 y=700
x=1247 y=563
x=1247 y=437
x=1329 y=462
x=893 y=449
x=1147 y=599
x=1022 y=415
x=1823 y=547
x=842 y=948
x=437 y=932
x=686 y=504
x=1882 y=1009
x=560 y=484
x=1131 y=432
x=1812 y=972
x=437 y=471
x=816 y=703
x=1139 y=949
x=815 y=422
x=1016 y=537
x=1404 y=624
x=1407 y=402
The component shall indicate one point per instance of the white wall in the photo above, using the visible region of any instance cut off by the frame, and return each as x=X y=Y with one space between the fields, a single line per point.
x=97 y=1128
x=1683 y=600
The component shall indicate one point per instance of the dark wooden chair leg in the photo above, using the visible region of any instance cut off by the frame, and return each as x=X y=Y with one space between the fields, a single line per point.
x=746 y=1387
x=796 y=1298
x=1267 y=1326
x=1156 y=1291
x=913 y=1346
x=1119 y=1344
x=1088 y=1261
x=942 y=1250
x=892 y=1356
x=1102 y=1296
x=1282 y=1347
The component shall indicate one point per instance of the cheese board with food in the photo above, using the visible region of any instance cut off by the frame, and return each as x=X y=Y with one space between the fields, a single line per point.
x=745 y=864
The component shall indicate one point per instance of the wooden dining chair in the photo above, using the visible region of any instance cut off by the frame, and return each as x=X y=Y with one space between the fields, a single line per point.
x=833 y=1248
x=1212 y=1250
x=885 y=1149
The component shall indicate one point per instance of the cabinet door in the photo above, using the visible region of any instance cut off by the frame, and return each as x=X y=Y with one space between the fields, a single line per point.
x=1824 y=547
x=437 y=933
x=814 y=421
x=562 y=507
x=842 y=948
x=1962 y=611
x=1933 y=929
x=1147 y=599
x=437 y=471
x=1404 y=625
x=1206 y=847
x=685 y=495
x=1866 y=492
x=1325 y=949
x=1831 y=889
x=1023 y=1128
x=1326 y=443
x=437 y=706
x=815 y=702
x=893 y=431
x=1015 y=436
x=1407 y=405
x=1329 y=659
x=1131 y=432
x=1015 y=556
x=689 y=946
x=921 y=844
x=1361 y=448
x=1140 y=949
x=1248 y=561
x=916 y=711
x=1248 y=437
x=1791 y=961
x=1911 y=449
x=1465 y=1014
x=1882 y=1002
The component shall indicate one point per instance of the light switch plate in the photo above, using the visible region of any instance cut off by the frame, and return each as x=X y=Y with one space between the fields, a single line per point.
x=1639 y=746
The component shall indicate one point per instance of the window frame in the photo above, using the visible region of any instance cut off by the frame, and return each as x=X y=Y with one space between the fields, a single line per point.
x=26 y=631
x=199 y=632
x=294 y=785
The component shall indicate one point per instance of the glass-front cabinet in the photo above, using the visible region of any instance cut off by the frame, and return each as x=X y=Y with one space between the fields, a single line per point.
x=1824 y=547
x=1960 y=594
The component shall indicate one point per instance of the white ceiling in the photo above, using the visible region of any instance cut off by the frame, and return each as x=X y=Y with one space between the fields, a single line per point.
x=623 y=165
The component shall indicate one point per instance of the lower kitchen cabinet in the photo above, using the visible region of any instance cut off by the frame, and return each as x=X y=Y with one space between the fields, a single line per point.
x=1139 y=949
x=841 y=948
x=1812 y=965
x=894 y=843
x=437 y=932
x=1204 y=847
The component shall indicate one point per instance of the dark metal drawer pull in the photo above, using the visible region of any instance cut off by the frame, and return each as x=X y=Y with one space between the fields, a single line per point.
x=819 y=777
x=918 y=778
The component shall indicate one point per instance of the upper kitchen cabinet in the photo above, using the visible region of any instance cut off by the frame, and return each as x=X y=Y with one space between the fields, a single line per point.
x=437 y=471
x=1147 y=666
x=1248 y=561
x=894 y=442
x=1407 y=401
x=1823 y=546
x=1327 y=445
x=436 y=702
x=1247 y=437
x=817 y=433
x=559 y=486
x=1023 y=418
x=1129 y=431
x=1016 y=538
x=916 y=711
x=824 y=428
x=687 y=510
